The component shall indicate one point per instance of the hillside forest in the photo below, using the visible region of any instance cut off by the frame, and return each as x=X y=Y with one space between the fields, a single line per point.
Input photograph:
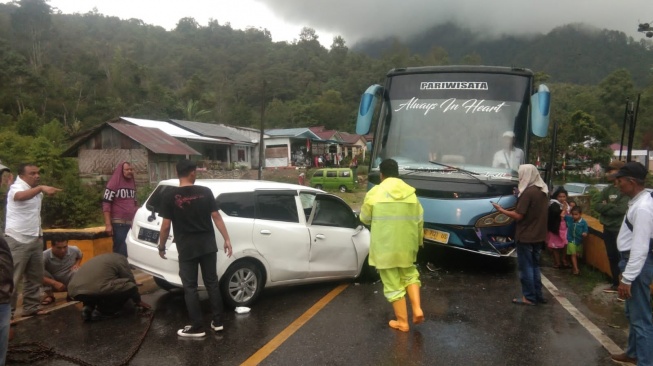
x=61 y=74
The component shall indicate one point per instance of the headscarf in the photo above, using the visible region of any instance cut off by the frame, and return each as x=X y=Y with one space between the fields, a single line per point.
x=530 y=176
x=119 y=181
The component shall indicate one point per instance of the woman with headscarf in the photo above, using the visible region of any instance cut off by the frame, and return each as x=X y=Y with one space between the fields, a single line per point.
x=531 y=215
x=119 y=205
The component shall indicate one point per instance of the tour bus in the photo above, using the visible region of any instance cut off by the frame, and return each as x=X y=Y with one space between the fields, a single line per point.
x=459 y=134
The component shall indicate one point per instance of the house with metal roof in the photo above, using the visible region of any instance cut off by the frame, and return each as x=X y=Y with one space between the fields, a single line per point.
x=243 y=147
x=152 y=152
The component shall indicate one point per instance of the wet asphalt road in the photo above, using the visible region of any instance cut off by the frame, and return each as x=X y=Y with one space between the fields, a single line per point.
x=469 y=321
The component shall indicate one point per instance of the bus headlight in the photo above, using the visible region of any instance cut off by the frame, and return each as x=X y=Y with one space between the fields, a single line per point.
x=495 y=219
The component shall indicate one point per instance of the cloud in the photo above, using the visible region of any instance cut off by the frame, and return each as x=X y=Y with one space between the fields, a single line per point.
x=364 y=19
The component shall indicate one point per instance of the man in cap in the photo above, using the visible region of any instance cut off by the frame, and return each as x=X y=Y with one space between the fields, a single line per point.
x=634 y=243
x=509 y=157
x=612 y=207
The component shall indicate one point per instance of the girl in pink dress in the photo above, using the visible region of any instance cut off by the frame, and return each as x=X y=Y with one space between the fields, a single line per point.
x=556 y=238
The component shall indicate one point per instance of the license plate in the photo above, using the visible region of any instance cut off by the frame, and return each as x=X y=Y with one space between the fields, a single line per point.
x=148 y=235
x=436 y=236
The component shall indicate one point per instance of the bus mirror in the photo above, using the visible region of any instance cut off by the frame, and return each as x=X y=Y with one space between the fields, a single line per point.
x=366 y=109
x=540 y=103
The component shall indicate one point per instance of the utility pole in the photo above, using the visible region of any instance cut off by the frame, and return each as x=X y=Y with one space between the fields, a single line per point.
x=633 y=124
x=261 y=143
x=623 y=128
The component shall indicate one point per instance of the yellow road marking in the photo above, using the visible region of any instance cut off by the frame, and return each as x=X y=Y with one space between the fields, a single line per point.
x=278 y=340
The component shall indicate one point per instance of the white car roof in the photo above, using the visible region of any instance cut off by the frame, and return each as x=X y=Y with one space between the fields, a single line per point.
x=242 y=185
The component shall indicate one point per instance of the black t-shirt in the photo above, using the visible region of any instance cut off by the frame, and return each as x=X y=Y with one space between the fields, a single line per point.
x=189 y=208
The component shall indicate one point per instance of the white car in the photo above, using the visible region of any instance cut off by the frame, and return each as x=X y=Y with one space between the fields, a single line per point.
x=281 y=234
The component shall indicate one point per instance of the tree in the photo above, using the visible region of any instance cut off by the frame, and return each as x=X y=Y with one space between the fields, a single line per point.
x=31 y=23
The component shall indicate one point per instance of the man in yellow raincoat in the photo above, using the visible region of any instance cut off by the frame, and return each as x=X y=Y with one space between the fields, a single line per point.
x=397 y=221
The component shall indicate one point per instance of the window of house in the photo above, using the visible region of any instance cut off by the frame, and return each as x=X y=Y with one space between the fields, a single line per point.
x=277 y=207
x=241 y=155
x=239 y=204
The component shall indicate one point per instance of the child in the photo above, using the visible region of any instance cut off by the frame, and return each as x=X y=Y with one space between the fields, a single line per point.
x=577 y=229
x=556 y=236
x=561 y=196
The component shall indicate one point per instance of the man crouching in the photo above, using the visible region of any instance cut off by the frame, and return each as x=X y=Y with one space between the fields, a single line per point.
x=103 y=285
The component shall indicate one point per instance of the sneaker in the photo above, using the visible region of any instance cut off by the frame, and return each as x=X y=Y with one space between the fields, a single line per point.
x=623 y=358
x=216 y=326
x=189 y=332
x=610 y=290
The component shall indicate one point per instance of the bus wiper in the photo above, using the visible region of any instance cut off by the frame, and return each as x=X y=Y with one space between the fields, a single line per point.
x=468 y=172
x=416 y=170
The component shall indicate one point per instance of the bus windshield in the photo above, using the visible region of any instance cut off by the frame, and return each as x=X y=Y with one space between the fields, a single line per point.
x=475 y=121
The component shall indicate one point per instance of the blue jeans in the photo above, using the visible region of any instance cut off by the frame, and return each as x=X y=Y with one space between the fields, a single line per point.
x=119 y=237
x=638 y=312
x=528 y=261
x=5 y=319
x=188 y=275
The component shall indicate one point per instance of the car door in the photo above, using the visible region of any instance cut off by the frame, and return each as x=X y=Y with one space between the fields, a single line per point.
x=331 y=179
x=333 y=229
x=280 y=235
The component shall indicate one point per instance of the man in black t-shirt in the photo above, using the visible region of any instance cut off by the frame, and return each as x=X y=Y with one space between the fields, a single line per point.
x=193 y=211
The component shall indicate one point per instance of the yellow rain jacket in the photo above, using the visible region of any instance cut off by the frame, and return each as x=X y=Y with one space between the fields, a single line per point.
x=397 y=221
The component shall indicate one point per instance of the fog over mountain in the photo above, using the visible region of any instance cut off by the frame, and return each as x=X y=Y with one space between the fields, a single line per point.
x=373 y=19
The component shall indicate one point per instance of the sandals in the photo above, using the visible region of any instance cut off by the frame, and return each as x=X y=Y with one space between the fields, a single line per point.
x=522 y=302
x=48 y=300
x=36 y=313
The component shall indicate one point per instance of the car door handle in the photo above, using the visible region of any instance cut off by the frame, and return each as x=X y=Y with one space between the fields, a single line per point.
x=266 y=232
x=320 y=236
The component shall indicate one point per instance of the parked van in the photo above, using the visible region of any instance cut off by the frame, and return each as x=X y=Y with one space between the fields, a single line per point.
x=340 y=178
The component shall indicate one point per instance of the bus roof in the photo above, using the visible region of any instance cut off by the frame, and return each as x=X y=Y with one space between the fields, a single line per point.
x=461 y=69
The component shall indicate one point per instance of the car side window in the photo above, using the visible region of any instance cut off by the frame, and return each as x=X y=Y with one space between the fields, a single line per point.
x=345 y=173
x=307 y=200
x=330 y=212
x=277 y=207
x=238 y=204
x=331 y=173
x=318 y=174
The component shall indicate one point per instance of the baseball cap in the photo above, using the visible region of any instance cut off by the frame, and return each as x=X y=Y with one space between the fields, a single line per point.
x=632 y=169
x=616 y=165
x=4 y=168
x=508 y=134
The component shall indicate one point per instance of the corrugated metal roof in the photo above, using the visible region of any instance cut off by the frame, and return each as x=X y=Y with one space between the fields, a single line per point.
x=172 y=130
x=292 y=132
x=212 y=130
x=154 y=139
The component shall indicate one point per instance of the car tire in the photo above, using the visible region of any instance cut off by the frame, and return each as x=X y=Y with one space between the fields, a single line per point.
x=343 y=189
x=241 y=284
x=164 y=284
x=368 y=273
x=318 y=186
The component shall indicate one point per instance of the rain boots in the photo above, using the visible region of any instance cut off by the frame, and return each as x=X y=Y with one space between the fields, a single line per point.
x=401 y=312
x=413 y=293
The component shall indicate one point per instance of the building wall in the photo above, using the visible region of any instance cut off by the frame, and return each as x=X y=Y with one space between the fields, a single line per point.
x=95 y=164
x=273 y=158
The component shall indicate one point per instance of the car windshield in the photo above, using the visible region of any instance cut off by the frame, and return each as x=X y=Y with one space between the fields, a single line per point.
x=480 y=129
x=574 y=188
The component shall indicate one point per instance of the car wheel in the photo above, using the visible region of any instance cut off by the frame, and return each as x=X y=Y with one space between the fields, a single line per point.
x=242 y=284
x=164 y=284
x=343 y=189
x=318 y=186
x=368 y=273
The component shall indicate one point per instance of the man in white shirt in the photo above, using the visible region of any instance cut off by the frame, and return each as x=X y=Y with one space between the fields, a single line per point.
x=510 y=157
x=23 y=234
x=634 y=243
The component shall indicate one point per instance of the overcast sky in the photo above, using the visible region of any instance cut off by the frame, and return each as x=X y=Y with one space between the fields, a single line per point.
x=362 y=19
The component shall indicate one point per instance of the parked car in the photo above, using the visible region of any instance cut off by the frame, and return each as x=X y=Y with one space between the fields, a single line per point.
x=340 y=178
x=281 y=234
x=577 y=189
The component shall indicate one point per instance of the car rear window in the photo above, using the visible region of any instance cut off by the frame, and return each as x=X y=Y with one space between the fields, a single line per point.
x=238 y=204
x=154 y=202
